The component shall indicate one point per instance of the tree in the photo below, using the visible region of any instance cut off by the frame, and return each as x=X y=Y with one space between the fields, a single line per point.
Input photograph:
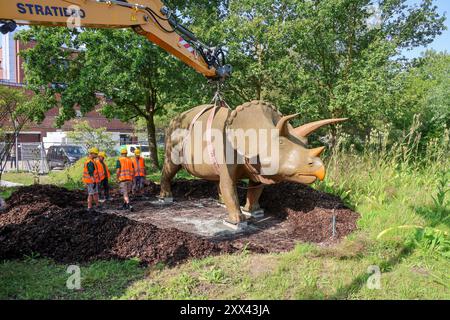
x=426 y=92
x=346 y=56
x=250 y=32
x=322 y=58
x=17 y=110
x=83 y=134
x=137 y=77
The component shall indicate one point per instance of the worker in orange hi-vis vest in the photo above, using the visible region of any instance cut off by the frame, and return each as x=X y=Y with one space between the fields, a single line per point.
x=125 y=175
x=139 y=173
x=91 y=178
x=104 y=176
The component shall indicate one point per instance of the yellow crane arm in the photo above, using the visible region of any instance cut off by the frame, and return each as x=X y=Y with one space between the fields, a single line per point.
x=150 y=18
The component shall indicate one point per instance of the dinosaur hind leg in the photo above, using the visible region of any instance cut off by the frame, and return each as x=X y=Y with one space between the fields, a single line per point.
x=253 y=195
x=219 y=193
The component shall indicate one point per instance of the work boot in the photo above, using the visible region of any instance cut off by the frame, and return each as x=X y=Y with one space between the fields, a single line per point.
x=90 y=210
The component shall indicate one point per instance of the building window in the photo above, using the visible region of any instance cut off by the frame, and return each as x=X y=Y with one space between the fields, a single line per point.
x=125 y=139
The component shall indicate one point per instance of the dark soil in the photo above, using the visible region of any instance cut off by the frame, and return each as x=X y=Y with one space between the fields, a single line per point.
x=35 y=222
x=52 y=222
x=309 y=212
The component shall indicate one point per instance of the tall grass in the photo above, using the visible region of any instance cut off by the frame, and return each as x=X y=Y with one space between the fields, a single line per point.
x=396 y=180
x=387 y=159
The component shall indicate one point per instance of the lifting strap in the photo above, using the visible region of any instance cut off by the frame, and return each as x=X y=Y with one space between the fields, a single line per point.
x=211 y=152
x=216 y=103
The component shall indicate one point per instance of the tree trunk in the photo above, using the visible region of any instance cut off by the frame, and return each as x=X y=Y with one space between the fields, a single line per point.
x=151 y=134
x=258 y=91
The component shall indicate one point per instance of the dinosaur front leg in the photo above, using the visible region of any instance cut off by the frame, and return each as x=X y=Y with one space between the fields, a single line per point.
x=229 y=195
x=253 y=194
x=169 y=171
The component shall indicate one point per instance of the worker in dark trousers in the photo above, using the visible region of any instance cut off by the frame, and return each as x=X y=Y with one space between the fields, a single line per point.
x=139 y=173
x=125 y=174
x=104 y=176
x=91 y=179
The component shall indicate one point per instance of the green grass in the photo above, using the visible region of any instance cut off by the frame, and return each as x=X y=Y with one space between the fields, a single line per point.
x=392 y=188
x=5 y=193
x=304 y=273
x=24 y=178
x=35 y=278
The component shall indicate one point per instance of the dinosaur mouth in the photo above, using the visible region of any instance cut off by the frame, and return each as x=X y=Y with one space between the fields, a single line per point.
x=320 y=173
x=301 y=178
x=308 y=178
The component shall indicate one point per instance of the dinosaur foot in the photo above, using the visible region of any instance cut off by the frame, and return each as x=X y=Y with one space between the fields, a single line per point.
x=166 y=200
x=256 y=214
x=162 y=201
x=236 y=221
x=237 y=226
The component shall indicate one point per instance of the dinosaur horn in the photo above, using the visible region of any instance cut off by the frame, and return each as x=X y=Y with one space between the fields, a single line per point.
x=282 y=124
x=316 y=151
x=307 y=129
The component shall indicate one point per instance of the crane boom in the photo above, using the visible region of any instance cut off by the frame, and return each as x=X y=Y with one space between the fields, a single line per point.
x=150 y=18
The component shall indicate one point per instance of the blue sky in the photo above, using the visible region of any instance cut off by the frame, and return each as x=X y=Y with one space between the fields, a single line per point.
x=440 y=43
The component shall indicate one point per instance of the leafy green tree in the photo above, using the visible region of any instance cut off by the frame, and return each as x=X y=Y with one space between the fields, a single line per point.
x=346 y=56
x=17 y=110
x=137 y=78
x=250 y=32
x=426 y=92
x=321 y=58
x=83 y=134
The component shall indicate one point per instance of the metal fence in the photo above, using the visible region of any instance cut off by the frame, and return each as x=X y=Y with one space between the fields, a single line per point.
x=32 y=157
x=29 y=157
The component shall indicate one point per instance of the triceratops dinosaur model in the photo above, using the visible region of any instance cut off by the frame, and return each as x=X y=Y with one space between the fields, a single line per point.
x=253 y=142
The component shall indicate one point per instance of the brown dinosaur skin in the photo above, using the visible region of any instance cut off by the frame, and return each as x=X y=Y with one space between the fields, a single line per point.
x=296 y=162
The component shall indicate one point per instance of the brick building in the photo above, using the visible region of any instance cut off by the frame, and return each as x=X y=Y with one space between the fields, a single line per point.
x=12 y=75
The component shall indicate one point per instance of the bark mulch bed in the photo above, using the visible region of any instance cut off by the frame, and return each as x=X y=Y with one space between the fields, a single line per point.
x=53 y=222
